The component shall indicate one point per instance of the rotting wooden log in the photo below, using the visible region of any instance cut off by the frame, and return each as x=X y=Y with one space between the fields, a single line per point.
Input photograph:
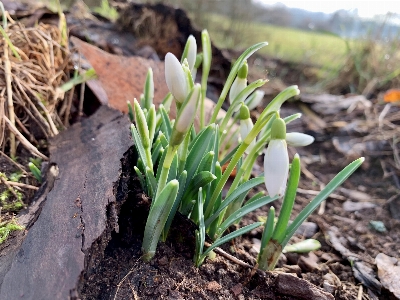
x=50 y=260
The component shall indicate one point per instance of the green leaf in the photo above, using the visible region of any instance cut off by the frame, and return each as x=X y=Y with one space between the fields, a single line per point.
x=177 y=202
x=138 y=144
x=229 y=237
x=288 y=201
x=243 y=188
x=246 y=54
x=141 y=179
x=330 y=187
x=199 y=181
x=201 y=233
x=158 y=215
x=229 y=156
x=36 y=172
x=151 y=183
x=166 y=123
x=268 y=229
x=173 y=168
x=151 y=119
x=243 y=211
x=199 y=148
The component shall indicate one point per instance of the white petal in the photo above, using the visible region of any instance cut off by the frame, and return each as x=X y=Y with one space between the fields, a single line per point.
x=255 y=100
x=188 y=112
x=238 y=85
x=276 y=167
x=245 y=127
x=297 y=139
x=191 y=56
x=175 y=78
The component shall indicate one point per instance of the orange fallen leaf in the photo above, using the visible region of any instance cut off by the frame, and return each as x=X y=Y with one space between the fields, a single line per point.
x=392 y=95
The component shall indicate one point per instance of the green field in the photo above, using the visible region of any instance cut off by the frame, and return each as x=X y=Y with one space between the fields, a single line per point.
x=289 y=44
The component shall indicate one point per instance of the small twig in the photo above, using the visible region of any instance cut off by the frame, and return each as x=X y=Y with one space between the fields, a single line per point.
x=21 y=167
x=23 y=185
x=10 y=103
x=24 y=141
x=315 y=193
x=232 y=258
x=8 y=186
x=81 y=98
x=68 y=106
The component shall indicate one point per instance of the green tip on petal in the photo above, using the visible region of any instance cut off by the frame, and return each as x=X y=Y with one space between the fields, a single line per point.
x=278 y=129
x=244 y=112
x=244 y=69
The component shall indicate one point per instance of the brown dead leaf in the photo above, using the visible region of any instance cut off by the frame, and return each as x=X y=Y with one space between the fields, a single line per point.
x=122 y=78
x=389 y=273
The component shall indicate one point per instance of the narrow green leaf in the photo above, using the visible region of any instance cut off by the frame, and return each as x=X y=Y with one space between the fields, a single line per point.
x=288 y=201
x=172 y=174
x=141 y=179
x=138 y=143
x=199 y=181
x=268 y=229
x=229 y=156
x=229 y=237
x=198 y=150
x=243 y=211
x=201 y=236
x=246 y=54
x=157 y=217
x=151 y=183
x=244 y=188
x=166 y=123
x=177 y=202
x=35 y=171
x=151 y=122
x=330 y=187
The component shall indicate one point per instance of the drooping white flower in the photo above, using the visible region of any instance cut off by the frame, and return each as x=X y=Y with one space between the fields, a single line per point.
x=297 y=139
x=175 y=78
x=239 y=84
x=255 y=99
x=246 y=125
x=276 y=160
x=276 y=167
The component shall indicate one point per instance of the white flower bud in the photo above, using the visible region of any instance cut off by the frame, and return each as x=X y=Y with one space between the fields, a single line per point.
x=192 y=52
x=175 y=78
x=297 y=139
x=246 y=126
x=188 y=111
x=276 y=167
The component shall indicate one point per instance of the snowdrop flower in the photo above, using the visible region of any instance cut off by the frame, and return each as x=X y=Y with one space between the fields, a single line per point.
x=239 y=84
x=190 y=51
x=297 y=139
x=246 y=125
x=175 y=78
x=255 y=99
x=186 y=115
x=276 y=160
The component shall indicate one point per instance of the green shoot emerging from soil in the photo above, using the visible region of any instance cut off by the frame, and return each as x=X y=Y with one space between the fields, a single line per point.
x=180 y=164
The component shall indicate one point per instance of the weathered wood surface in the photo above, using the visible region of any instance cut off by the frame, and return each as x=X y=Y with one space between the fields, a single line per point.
x=52 y=256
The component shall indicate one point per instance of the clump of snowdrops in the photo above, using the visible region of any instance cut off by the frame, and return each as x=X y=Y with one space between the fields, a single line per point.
x=179 y=166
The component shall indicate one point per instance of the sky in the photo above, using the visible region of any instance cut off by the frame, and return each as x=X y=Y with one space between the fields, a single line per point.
x=366 y=9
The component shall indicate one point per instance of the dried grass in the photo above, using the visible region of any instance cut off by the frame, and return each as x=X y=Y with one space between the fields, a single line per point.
x=30 y=84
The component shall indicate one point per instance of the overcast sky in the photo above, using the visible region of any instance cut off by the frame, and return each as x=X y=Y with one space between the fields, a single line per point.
x=366 y=9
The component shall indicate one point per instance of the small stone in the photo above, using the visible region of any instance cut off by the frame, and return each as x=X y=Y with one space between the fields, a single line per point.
x=307 y=229
x=213 y=286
